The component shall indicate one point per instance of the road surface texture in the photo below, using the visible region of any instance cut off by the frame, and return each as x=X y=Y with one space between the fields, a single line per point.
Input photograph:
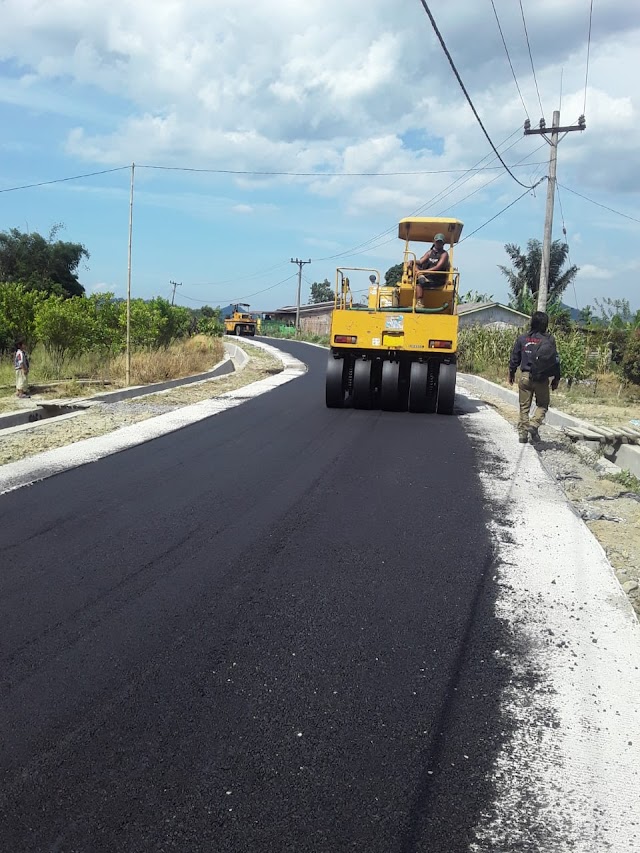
x=288 y=628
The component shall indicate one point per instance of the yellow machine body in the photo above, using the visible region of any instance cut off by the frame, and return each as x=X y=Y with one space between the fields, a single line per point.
x=390 y=324
x=240 y=322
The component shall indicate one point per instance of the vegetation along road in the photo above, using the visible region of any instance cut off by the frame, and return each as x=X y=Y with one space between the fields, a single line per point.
x=289 y=628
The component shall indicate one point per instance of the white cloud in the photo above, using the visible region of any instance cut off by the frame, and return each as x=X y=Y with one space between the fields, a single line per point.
x=590 y=271
x=293 y=86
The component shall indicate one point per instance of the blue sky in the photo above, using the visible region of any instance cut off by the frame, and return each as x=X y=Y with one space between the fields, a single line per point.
x=314 y=87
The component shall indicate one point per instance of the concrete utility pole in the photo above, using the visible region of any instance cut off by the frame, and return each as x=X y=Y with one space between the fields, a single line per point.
x=543 y=288
x=175 y=284
x=300 y=265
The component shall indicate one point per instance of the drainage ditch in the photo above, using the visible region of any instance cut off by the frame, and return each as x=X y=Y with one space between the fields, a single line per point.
x=42 y=412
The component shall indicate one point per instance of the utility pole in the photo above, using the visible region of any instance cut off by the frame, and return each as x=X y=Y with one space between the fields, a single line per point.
x=300 y=265
x=128 y=343
x=175 y=284
x=543 y=288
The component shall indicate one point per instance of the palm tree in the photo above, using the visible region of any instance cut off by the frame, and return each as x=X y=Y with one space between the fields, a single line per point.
x=524 y=277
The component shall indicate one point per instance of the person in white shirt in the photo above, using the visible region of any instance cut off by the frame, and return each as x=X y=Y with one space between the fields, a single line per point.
x=21 y=364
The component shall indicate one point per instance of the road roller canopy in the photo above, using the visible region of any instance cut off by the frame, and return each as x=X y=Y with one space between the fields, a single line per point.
x=423 y=229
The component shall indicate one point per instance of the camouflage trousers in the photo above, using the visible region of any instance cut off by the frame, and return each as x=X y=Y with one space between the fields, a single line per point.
x=527 y=390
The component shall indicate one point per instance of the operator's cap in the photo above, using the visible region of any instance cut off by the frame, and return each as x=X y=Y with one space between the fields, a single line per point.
x=438 y=237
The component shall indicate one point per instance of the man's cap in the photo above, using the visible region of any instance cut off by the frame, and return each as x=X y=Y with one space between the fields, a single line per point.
x=438 y=237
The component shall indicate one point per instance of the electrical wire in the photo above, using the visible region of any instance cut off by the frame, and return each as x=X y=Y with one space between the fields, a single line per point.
x=566 y=240
x=506 y=49
x=249 y=172
x=368 y=248
x=504 y=209
x=62 y=180
x=487 y=183
x=258 y=274
x=433 y=200
x=240 y=298
x=466 y=94
x=272 y=287
x=461 y=171
x=586 y=75
x=597 y=203
x=535 y=80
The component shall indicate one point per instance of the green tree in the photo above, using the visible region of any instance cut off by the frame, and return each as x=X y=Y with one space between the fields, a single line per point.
x=321 y=292
x=145 y=324
x=524 y=275
x=48 y=265
x=174 y=322
x=393 y=275
x=103 y=327
x=474 y=296
x=587 y=317
x=17 y=315
x=209 y=321
x=631 y=359
x=617 y=313
x=64 y=327
x=155 y=323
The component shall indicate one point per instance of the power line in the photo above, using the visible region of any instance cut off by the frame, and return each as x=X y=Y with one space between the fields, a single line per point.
x=487 y=183
x=504 y=209
x=566 y=240
x=357 y=250
x=62 y=180
x=240 y=298
x=462 y=86
x=586 y=75
x=597 y=203
x=531 y=57
x=434 y=199
x=272 y=287
x=257 y=173
x=515 y=79
x=245 y=172
x=258 y=274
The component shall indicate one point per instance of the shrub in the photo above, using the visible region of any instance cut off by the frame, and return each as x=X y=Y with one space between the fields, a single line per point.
x=631 y=359
x=573 y=352
x=481 y=349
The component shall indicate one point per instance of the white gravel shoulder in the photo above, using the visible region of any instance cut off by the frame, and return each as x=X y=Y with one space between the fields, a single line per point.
x=24 y=472
x=572 y=768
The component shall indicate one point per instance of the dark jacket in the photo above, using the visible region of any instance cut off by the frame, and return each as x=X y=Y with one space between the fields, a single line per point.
x=521 y=354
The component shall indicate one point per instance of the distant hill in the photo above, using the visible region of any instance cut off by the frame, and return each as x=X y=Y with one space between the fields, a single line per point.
x=574 y=313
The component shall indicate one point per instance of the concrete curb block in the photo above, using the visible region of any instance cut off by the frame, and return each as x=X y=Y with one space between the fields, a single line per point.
x=16 y=420
x=235 y=353
x=25 y=472
x=625 y=456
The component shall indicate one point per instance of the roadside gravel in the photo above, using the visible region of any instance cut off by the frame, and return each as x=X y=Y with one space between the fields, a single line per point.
x=102 y=418
x=610 y=511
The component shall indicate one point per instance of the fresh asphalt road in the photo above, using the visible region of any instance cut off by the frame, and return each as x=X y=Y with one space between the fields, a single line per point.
x=269 y=631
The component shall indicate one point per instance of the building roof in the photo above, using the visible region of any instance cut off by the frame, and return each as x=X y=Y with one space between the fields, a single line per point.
x=306 y=309
x=472 y=307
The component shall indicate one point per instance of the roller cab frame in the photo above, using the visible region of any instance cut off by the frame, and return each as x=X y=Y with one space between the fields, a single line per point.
x=240 y=322
x=390 y=353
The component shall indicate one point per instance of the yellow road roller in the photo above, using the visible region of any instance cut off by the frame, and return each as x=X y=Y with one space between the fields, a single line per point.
x=398 y=351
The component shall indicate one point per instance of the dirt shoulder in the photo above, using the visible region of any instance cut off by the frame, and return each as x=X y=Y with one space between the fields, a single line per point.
x=102 y=418
x=610 y=511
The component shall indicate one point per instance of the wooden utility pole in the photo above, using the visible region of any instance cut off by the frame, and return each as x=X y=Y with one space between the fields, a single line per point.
x=128 y=344
x=174 y=284
x=543 y=288
x=300 y=265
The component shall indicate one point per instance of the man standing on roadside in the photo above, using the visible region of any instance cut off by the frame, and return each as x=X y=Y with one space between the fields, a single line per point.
x=21 y=364
x=536 y=355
